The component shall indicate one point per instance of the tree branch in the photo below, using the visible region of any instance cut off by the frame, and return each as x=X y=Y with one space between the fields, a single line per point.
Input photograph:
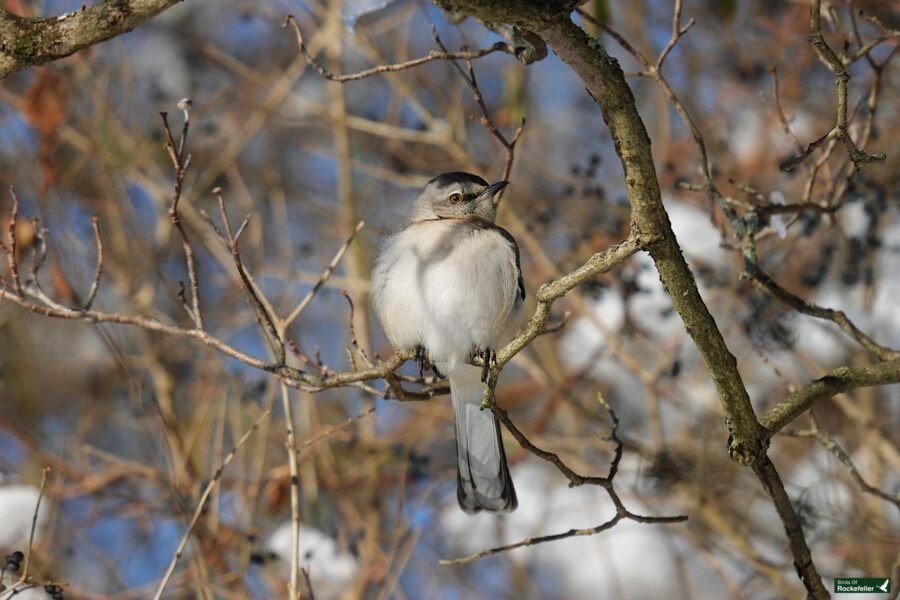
x=858 y=156
x=31 y=41
x=606 y=83
x=432 y=55
x=834 y=382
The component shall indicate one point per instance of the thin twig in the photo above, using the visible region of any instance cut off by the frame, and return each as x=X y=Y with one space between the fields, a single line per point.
x=181 y=164
x=566 y=534
x=326 y=274
x=264 y=318
x=98 y=272
x=677 y=32
x=293 y=466
x=34 y=520
x=201 y=503
x=874 y=20
x=11 y=258
x=432 y=55
x=835 y=449
x=508 y=144
x=792 y=163
x=359 y=349
x=785 y=124
x=858 y=156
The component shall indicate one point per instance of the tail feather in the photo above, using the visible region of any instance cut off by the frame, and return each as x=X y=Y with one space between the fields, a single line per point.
x=483 y=481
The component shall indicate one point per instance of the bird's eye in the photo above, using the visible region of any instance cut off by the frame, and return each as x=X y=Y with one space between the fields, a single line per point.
x=455 y=197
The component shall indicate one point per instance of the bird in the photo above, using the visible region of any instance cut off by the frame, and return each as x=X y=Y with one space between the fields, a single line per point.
x=449 y=285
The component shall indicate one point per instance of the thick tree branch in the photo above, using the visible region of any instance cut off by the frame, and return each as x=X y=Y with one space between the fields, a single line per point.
x=793 y=527
x=30 y=41
x=650 y=224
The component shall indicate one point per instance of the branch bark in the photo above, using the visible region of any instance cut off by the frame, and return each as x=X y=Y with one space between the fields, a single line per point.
x=30 y=41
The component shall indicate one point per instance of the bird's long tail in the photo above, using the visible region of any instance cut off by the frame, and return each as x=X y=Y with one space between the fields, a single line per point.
x=483 y=481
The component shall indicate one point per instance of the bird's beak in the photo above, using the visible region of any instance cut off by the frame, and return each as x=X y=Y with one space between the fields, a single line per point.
x=491 y=190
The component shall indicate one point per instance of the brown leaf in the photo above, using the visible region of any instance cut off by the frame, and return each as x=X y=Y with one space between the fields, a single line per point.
x=44 y=104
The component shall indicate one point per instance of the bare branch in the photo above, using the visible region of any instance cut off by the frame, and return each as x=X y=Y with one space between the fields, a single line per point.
x=11 y=250
x=780 y=109
x=201 y=503
x=181 y=164
x=835 y=449
x=509 y=145
x=359 y=349
x=293 y=465
x=535 y=540
x=677 y=32
x=98 y=271
x=432 y=55
x=30 y=41
x=834 y=382
x=574 y=480
x=765 y=282
x=841 y=77
x=566 y=534
x=34 y=520
x=264 y=318
x=284 y=324
x=767 y=474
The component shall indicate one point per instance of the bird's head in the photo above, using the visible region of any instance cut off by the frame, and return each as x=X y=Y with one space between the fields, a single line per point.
x=457 y=195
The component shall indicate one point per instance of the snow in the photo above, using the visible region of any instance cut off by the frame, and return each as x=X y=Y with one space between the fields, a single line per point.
x=854 y=220
x=698 y=237
x=585 y=338
x=17 y=504
x=651 y=308
x=34 y=593
x=885 y=313
x=331 y=571
x=353 y=10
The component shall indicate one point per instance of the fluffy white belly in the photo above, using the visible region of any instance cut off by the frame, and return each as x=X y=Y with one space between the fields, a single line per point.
x=448 y=285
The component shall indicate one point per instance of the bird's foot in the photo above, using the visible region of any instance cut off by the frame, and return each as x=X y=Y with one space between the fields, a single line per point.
x=421 y=359
x=424 y=363
x=488 y=356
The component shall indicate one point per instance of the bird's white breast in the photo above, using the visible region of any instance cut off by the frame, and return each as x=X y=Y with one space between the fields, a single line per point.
x=448 y=285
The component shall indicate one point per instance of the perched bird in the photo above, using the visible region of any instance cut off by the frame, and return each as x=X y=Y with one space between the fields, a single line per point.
x=450 y=285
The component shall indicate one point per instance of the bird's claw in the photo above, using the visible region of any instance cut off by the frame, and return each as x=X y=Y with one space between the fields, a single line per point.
x=488 y=356
x=421 y=358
